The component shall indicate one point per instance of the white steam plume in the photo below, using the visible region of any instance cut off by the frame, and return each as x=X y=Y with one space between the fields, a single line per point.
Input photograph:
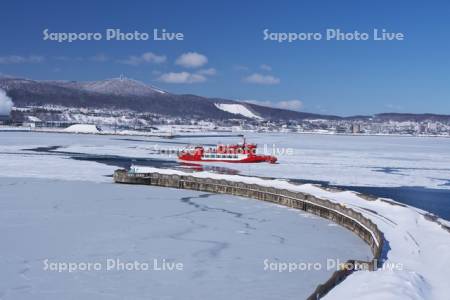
x=6 y=104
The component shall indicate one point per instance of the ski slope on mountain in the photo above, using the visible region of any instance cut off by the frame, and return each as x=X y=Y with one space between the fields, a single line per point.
x=237 y=109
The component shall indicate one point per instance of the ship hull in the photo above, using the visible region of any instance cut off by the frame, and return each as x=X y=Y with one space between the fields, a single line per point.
x=249 y=159
x=244 y=153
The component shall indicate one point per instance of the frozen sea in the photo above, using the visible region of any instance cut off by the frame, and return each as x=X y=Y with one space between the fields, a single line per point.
x=58 y=205
x=221 y=241
x=412 y=170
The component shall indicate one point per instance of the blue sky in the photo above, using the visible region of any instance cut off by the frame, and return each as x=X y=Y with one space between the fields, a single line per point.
x=231 y=59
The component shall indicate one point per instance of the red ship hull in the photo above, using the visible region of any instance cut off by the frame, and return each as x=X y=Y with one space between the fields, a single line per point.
x=245 y=153
x=253 y=159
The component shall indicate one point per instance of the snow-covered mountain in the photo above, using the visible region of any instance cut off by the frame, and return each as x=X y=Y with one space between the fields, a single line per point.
x=120 y=86
x=128 y=94
x=132 y=95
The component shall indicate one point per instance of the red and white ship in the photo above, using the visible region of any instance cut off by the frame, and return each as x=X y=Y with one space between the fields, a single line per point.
x=239 y=153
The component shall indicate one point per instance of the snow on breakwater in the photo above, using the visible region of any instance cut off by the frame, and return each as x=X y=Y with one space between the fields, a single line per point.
x=82 y=128
x=416 y=242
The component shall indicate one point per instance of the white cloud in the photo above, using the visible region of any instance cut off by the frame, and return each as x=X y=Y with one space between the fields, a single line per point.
x=62 y=58
x=182 y=77
x=6 y=103
x=265 y=67
x=207 y=72
x=290 y=104
x=240 y=68
x=394 y=107
x=17 y=59
x=153 y=58
x=191 y=60
x=147 y=57
x=262 y=79
x=260 y=102
x=99 y=58
x=294 y=104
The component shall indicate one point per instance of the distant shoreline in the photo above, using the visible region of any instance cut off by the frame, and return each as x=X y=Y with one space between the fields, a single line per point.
x=199 y=134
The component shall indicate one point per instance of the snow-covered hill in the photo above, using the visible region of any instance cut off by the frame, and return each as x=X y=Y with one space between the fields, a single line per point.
x=120 y=86
x=237 y=109
x=129 y=94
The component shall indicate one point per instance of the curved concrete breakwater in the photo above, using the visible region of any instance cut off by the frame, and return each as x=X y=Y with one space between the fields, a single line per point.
x=346 y=217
